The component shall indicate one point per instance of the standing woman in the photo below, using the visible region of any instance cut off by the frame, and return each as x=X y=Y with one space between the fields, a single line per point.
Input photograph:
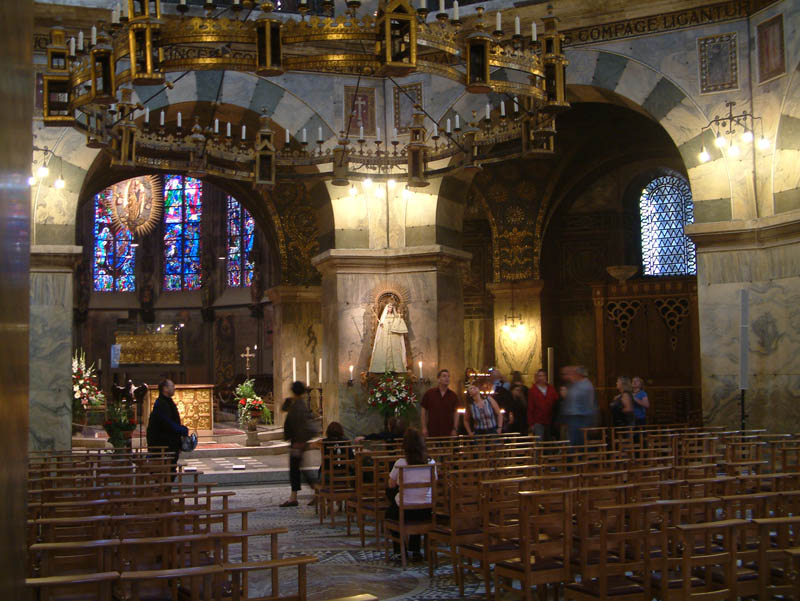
x=298 y=431
x=640 y=401
x=622 y=405
x=483 y=414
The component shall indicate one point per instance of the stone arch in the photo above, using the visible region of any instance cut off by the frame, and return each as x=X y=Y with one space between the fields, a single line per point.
x=601 y=76
x=785 y=173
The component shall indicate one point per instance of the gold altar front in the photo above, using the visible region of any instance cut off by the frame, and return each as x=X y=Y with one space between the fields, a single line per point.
x=195 y=404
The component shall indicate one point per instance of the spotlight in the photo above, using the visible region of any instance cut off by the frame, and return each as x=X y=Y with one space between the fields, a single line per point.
x=763 y=143
x=42 y=171
x=704 y=156
x=721 y=141
x=59 y=183
x=747 y=136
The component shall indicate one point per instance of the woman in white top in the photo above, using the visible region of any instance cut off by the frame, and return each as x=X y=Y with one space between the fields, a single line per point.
x=415 y=454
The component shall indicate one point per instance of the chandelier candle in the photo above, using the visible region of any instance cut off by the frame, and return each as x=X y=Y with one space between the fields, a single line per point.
x=80 y=41
x=93 y=36
x=216 y=126
x=161 y=119
x=305 y=136
x=308 y=374
x=287 y=137
x=488 y=112
x=516 y=26
x=441 y=6
x=458 y=125
x=319 y=133
x=228 y=129
x=533 y=31
x=294 y=369
x=447 y=128
x=499 y=22
x=502 y=108
x=72 y=46
x=180 y=120
x=147 y=115
x=244 y=132
x=360 y=132
x=455 y=10
x=378 y=137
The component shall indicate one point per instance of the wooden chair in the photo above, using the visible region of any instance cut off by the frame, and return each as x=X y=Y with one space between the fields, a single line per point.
x=87 y=586
x=776 y=567
x=424 y=479
x=545 y=535
x=338 y=478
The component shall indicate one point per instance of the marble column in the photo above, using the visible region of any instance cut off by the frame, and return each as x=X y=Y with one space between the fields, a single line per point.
x=518 y=341
x=428 y=280
x=296 y=334
x=50 y=346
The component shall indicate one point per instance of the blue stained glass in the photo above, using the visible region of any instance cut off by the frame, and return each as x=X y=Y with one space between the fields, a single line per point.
x=665 y=208
x=183 y=212
x=114 y=257
x=241 y=233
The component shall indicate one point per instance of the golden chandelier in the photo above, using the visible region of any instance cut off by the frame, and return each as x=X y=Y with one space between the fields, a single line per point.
x=89 y=85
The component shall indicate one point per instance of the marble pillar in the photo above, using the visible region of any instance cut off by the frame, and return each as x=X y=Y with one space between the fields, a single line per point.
x=762 y=257
x=428 y=280
x=297 y=334
x=518 y=341
x=50 y=346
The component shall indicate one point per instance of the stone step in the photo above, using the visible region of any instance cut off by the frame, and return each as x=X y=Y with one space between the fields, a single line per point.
x=236 y=450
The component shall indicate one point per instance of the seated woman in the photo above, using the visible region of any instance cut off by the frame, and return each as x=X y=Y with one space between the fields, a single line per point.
x=483 y=414
x=622 y=406
x=415 y=453
x=394 y=429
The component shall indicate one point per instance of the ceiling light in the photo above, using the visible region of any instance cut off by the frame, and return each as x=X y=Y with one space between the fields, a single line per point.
x=59 y=183
x=747 y=136
x=367 y=183
x=353 y=191
x=721 y=141
x=733 y=151
x=704 y=156
x=763 y=143
x=31 y=181
x=391 y=183
x=42 y=171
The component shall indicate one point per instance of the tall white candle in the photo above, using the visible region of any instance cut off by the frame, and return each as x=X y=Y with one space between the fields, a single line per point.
x=244 y=132
x=93 y=37
x=161 y=119
x=499 y=22
x=455 y=10
x=124 y=12
x=488 y=111
x=319 y=133
x=533 y=31
x=183 y=2
x=502 y=108
x=72 y=46
x=516 y=104
x=147 y=114
x=378 y=136
x=351 y=372
x=287 y=137
x=180 y=120
x=228 y=129
x=435 y=130
x=448 y=126
x=305 y=136
x=441 y=6
x=80 y=41
x=395 y=133
x=458 y=125
x=320 y=370
x=360 y=132
x=308 y=374
x=294 y=369
x=420 y=370
x=216 y=126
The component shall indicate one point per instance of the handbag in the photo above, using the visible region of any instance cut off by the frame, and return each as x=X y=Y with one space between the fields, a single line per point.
x=189 y=443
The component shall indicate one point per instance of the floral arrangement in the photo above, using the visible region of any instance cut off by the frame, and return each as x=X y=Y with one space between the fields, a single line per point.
x=85 y=392
x=118 y=422
x=249 y=403
x=392 y=396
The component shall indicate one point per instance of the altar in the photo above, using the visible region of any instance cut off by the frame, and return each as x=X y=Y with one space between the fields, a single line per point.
x=195 y=404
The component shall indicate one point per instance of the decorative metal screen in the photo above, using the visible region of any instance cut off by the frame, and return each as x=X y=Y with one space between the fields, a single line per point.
x=666 y=207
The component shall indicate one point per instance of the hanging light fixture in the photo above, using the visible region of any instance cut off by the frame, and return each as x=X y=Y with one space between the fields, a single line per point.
x=727 y=125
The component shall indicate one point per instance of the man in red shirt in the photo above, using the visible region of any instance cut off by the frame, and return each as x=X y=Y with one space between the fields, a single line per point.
x=541 y=398
x=440 y=409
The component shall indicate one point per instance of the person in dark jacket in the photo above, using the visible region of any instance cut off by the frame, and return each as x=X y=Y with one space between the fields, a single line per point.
x=297 y=429
x=164 y=428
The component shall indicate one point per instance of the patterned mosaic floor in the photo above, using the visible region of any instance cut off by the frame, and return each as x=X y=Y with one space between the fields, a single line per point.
x=344 y=568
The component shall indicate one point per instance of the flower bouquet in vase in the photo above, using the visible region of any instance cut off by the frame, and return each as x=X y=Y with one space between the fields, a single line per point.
x=391 y=395
x=251 y=406
x=85 y=391
x=119 y=425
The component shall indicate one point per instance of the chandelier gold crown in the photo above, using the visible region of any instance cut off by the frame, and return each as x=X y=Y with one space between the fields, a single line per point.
x=89 y=82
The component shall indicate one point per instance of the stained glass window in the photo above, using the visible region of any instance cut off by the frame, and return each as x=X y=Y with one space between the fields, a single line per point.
x=114 y=257
x=241 y=228
x=183 y=211
x=665 y=208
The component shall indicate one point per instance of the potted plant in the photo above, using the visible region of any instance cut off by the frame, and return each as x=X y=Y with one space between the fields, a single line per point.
x=391 y=396
x=85 y=391
x=119 y=425
x=251 y=406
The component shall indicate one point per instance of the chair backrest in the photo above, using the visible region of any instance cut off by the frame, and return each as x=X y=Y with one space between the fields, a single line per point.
x=417 y=483
x=709 y=553
x=339 y=465
x=545 y=527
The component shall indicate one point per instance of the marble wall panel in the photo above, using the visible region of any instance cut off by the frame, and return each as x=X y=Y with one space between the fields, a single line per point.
x=50 y=361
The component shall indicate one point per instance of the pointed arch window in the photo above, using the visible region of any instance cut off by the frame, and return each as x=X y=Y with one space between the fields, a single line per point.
x=183 y=212
x=665 y=208
x=241 y=231
x=114 y=256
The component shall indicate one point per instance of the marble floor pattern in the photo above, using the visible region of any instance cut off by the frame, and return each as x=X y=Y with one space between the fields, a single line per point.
x=344 y=567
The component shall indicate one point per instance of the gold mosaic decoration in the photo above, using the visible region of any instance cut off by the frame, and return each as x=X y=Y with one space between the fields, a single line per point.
x=148 y=349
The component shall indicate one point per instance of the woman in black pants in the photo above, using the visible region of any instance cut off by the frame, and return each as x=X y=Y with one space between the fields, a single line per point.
x=415 y=454
x=298 y=431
